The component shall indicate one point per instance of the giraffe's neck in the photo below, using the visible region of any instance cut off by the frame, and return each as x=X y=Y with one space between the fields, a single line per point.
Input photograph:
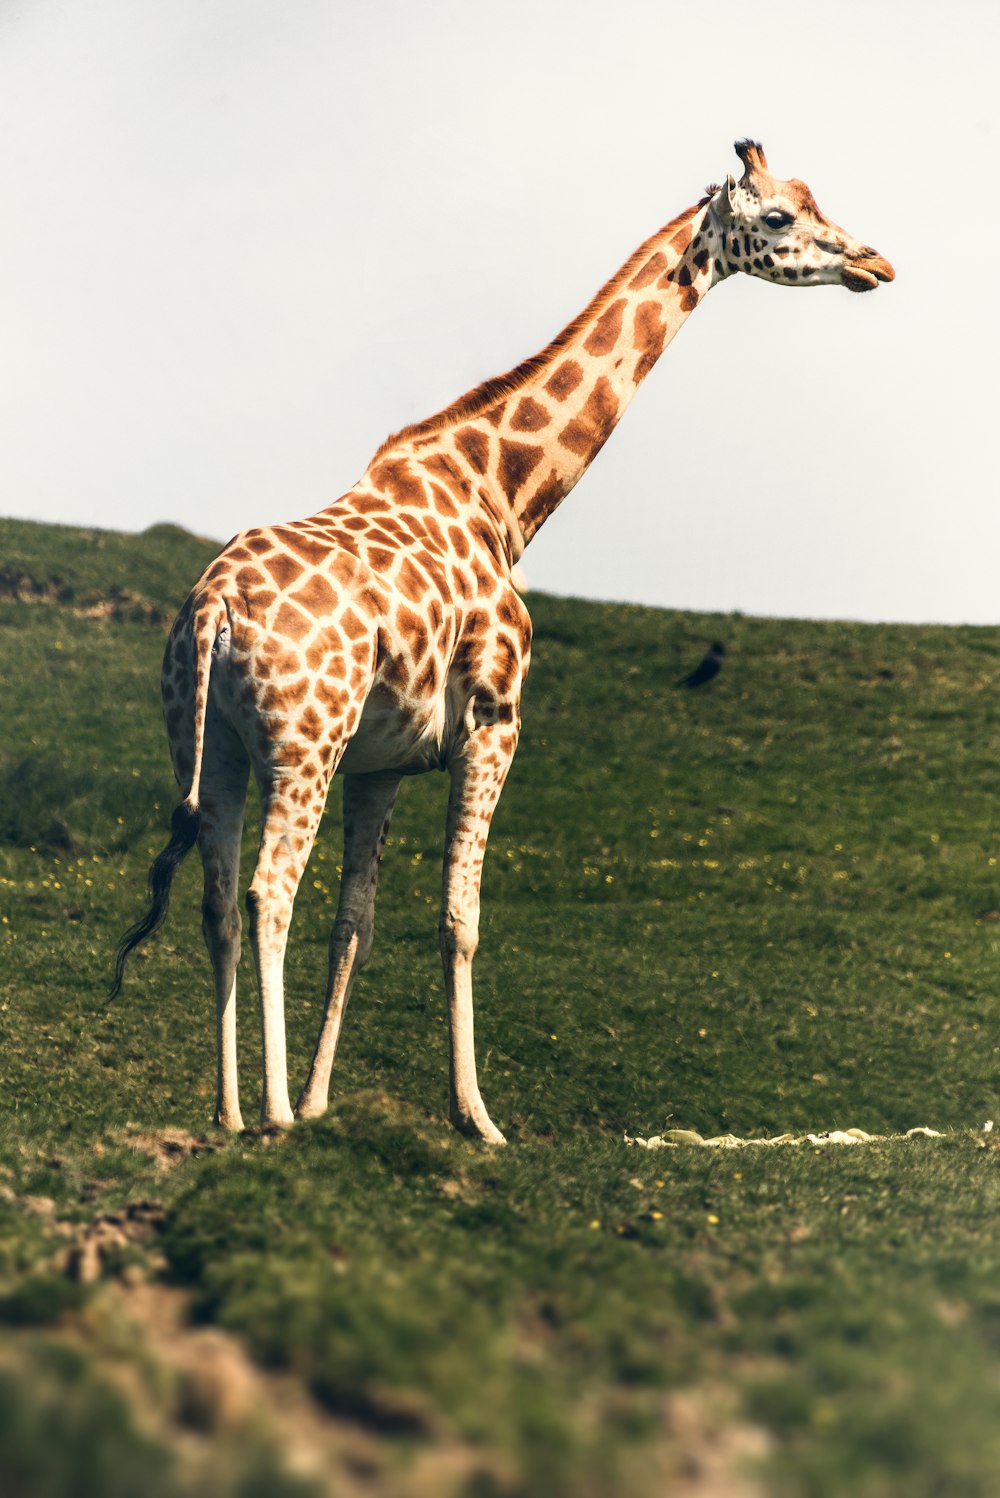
x=526 y=438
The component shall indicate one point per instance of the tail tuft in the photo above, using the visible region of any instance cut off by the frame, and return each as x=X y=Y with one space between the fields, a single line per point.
x=184 y=827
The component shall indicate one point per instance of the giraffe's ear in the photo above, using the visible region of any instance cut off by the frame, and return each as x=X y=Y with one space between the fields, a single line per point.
x=725 y=198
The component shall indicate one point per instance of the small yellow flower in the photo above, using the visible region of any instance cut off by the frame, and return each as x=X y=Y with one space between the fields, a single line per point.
x=712 y=1218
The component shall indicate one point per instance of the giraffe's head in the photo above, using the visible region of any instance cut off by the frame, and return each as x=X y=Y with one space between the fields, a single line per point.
x=775 y=230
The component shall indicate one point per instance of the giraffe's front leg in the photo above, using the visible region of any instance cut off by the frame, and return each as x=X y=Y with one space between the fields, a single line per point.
x=368 y=804
x=477 y=778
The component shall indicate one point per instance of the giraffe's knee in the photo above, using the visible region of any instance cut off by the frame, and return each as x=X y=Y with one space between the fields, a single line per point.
x=346 y=930
x=459 y=935
x=220 y=920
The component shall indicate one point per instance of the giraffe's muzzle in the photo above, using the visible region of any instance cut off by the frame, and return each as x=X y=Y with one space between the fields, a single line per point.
x=864 y=271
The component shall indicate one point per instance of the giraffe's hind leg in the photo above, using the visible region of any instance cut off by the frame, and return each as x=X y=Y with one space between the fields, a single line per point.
x=223 y=801
x=291 y=807
x=368 y=804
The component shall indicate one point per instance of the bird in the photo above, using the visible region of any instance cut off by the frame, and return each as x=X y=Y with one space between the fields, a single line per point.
x=710 y=665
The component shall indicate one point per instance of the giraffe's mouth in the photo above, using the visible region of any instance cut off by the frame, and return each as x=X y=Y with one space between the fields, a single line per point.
x=865 y=271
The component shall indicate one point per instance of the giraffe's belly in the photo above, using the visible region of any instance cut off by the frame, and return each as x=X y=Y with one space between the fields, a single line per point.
x=391 y=736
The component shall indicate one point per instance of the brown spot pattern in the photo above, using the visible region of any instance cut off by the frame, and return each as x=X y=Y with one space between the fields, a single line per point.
x=650 y=336
x=413 y=630
x=518 y=461
x=352 y=626
x=394 y=474
x=444 y=467
x=655 y=266
x=307 y=547
x=310 y=724
x=592 y=427
x=291 y=622
x=316 y=596
x=443 y=502
x=459 y=541
x=607 y=329
x=475 y=446
x=284 y=569
x=565 y=379
x=541 y=504
x=410 y=581
x=529 y=416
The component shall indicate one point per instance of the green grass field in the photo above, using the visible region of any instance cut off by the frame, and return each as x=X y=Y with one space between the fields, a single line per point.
x=772 y=904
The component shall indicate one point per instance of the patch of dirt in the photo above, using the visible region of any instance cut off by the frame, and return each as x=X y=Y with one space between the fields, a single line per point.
x=169 y=1147
x=197 y=1389
x=124 y=604
x=18 y=587
x=104 y=1237
x=717 y=1454
x=118 y=603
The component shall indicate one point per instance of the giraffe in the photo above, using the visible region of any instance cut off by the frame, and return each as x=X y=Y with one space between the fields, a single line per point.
x=382 y=637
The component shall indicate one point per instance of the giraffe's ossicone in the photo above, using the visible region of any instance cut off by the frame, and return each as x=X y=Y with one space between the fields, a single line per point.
x=384 y=637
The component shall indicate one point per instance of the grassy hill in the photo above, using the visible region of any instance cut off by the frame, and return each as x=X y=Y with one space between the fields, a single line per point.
x=772 y=904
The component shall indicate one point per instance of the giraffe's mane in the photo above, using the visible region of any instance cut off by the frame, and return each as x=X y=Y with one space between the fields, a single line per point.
x=483 y=396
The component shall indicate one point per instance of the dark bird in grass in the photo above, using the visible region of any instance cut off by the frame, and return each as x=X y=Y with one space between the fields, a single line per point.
x=710 y=665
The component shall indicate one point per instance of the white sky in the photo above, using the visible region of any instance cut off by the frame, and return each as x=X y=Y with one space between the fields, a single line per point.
x=242 y=240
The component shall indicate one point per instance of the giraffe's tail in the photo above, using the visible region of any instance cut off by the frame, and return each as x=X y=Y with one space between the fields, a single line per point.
x=184 y=827
x=209 y=634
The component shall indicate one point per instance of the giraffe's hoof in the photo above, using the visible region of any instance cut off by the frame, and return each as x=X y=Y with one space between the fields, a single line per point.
x=308 y=1107
x=271 y=1123
x=231 y=1122
x=478 y=1128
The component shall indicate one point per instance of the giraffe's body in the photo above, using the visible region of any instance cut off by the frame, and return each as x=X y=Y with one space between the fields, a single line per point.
x=384 y=636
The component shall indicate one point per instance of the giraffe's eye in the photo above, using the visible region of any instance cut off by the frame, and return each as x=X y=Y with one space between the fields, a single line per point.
x=777 y=219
